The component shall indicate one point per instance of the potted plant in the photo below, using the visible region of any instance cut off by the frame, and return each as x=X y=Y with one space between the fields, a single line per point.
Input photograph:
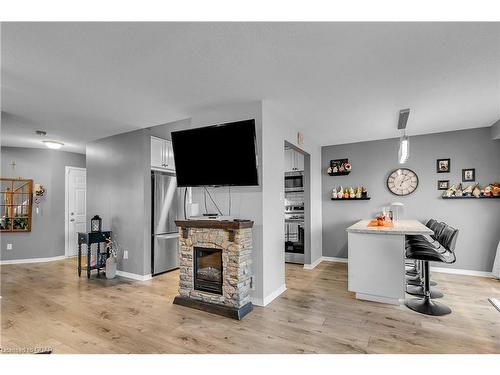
x=111 y=246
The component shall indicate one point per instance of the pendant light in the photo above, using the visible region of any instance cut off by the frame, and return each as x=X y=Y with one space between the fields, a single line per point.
x=404 y=140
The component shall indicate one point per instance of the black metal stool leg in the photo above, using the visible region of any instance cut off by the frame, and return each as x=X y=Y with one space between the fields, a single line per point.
x=416 y=290
x=426 y=305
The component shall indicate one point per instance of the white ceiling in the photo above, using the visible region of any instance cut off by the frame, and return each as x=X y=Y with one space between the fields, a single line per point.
x=341 y=82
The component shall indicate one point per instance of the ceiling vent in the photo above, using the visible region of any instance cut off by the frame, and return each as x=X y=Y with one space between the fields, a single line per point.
x=403 y=118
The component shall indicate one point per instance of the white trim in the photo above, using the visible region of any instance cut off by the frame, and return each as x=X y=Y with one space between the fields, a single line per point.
x=269 y=298
x=457 y=271
x=380 y=299
x=32 y=260
x=66 y=204
x=334 y=259
x=133 y=276
x=313 y=264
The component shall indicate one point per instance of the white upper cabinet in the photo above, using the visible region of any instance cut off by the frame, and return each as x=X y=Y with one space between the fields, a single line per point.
x=169 y=157
x=294 y=161
x=162 y=154
x=289 y=165
x=299 y=164
x=157 y=152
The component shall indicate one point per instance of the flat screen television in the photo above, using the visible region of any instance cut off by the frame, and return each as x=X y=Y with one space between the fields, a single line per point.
x=218 y=155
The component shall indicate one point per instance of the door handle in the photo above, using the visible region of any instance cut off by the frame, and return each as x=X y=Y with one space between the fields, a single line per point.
x=72 y=220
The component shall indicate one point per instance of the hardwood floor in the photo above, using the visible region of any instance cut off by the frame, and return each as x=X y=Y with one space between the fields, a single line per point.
x=47 y=305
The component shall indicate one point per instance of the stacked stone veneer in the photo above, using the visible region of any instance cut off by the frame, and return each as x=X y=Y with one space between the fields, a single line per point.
x=236 y=264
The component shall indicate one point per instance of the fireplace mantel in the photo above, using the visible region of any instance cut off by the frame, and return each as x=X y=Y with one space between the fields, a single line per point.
x=215 y=224
x=233 y=240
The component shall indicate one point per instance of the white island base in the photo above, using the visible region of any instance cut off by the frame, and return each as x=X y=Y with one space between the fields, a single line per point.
x=376 y=260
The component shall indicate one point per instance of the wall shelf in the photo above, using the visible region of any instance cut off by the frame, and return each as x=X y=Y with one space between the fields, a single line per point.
x=351 y=199
x=472 y=197
x=339 y=173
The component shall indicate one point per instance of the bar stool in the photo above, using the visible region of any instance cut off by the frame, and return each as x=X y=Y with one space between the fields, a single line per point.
x=414 y=269
x=427 y=253
x=416 y=279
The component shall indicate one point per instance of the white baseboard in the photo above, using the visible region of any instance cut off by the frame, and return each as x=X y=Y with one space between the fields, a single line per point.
x=269 y=298
x=133 y=276
x=313 y=264
x=334 y=259
x=32 y=260
x=457 y=271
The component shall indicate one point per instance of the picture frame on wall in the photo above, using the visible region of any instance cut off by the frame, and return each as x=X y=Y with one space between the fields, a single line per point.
x=443 y=184
x=469 y=175
x=443 y=165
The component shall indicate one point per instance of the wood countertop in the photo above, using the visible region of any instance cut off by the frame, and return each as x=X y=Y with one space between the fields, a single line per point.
x=400 y=227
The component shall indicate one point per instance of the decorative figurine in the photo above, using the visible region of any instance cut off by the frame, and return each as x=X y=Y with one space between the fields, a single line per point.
x=495 y=190
x=487 y=191
x=467 y=192
x=358 y=192
x=450 y=192
x=334 y=193
x=477 y=191
x=351 y=193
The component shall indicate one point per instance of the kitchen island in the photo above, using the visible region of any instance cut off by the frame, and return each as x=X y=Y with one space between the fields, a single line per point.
x=376 y=259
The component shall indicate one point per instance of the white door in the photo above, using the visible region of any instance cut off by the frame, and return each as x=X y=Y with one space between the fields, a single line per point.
x=157 y=152
x=76 y=208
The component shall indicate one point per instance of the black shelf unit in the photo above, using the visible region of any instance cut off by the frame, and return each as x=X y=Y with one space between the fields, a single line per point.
x=345 y=173
x=472 y=197
x=351 y=199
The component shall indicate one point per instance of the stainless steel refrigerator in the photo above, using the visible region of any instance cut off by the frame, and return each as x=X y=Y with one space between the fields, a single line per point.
x=165 y=236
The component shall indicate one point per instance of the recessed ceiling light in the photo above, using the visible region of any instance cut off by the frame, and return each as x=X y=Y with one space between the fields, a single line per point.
x=53 y=144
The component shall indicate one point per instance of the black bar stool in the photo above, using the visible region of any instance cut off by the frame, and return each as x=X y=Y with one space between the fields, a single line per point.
x=428 y=253
x=415 y=276
x=413 y=269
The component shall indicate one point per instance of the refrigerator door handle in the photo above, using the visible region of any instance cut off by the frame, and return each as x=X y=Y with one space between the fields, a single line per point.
x=167 y=236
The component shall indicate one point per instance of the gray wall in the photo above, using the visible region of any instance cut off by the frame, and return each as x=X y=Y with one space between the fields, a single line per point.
x=495 y=130
x=478 y=220
x=46 y=167
x=119 y=191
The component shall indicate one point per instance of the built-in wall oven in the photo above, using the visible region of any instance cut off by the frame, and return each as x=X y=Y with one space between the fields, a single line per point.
x=294 y=227
x=294 y=181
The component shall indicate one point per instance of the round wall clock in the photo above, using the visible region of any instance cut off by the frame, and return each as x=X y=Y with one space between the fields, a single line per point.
x=402 y=182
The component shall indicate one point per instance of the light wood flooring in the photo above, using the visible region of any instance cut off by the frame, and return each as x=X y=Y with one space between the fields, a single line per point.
x=47 y=305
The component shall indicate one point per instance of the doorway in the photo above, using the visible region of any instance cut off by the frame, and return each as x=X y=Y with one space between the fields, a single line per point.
x=75 y=208
x=297 y=194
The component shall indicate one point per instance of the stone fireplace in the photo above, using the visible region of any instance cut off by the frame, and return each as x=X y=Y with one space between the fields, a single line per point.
x=215 y=266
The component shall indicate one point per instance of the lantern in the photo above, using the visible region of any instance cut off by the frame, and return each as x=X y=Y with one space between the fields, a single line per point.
x=96 y=224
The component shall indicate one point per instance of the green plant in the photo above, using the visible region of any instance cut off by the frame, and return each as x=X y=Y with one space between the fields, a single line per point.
x=20 y=223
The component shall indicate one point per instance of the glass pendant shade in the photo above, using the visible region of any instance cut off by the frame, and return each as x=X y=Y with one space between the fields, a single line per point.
x=404 y=149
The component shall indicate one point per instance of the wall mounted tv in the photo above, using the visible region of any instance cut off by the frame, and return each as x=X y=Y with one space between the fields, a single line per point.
x=219 y=155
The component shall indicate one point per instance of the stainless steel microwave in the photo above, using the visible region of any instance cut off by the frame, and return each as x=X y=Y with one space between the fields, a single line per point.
x=294 y=181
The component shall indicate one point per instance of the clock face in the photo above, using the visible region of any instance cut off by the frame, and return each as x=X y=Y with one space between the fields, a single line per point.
x=402 y=182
